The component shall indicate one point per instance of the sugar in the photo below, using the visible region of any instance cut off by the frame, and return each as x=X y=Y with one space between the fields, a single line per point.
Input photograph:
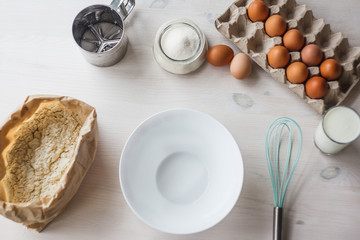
x=180 y=42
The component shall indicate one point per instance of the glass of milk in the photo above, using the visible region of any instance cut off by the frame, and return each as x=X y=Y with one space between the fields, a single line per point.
x=339 y=127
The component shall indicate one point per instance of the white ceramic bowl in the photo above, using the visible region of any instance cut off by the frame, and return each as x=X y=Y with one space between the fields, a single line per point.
x=181 y=171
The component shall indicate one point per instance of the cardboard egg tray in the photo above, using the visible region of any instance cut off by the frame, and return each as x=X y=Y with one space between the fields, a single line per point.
x=251 y=38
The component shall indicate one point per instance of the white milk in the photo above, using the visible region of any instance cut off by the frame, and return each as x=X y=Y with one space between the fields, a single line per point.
x=338 y=128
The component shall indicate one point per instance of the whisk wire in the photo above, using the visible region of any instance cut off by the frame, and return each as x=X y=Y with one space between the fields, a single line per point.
x=275 y=133
x=295 y=161
x=267 y=153
x=288 y=156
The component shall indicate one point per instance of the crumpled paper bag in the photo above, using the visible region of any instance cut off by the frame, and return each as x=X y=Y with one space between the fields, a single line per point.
x=37 y=214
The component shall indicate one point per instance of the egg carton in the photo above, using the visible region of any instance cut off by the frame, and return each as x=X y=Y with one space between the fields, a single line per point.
x=251 y=38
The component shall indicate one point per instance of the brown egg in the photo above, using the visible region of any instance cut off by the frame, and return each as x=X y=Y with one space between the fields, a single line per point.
x=311 y=55
x=220 y=55
x=240 y=66
x=258 y=11
x=316 y=87
x=297 y=72
x=330 y=69
x=275 y=25
x=278 y=57
x=293 y=40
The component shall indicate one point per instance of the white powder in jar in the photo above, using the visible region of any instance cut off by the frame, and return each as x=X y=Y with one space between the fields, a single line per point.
x=180 y=46
x=180 y=42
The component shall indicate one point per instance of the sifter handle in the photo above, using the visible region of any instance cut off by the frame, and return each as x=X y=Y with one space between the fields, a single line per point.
x=277 y=227
x=123 y=7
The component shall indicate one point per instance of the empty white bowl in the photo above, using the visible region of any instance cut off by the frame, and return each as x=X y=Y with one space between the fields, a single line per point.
x=181 y=171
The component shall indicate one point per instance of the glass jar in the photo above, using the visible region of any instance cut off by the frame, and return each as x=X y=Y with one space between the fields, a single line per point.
x=192 y=60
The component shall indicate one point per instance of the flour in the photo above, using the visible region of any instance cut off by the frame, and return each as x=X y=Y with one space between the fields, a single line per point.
x=42 y=151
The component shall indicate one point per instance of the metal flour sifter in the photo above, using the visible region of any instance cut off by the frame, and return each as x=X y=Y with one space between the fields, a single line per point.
x=283 y=131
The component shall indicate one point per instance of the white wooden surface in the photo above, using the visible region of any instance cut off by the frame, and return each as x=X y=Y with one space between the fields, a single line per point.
x=38 y=55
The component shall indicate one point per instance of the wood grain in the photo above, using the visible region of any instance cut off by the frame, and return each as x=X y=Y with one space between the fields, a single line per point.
x=38 y=55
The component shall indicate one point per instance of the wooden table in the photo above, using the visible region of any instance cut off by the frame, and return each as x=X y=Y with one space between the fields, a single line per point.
x=39 y=55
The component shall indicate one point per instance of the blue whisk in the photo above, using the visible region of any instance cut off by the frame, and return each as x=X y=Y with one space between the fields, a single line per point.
x=273 y=141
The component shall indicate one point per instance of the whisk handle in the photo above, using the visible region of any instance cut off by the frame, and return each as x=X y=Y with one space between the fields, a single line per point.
x=277 y=227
